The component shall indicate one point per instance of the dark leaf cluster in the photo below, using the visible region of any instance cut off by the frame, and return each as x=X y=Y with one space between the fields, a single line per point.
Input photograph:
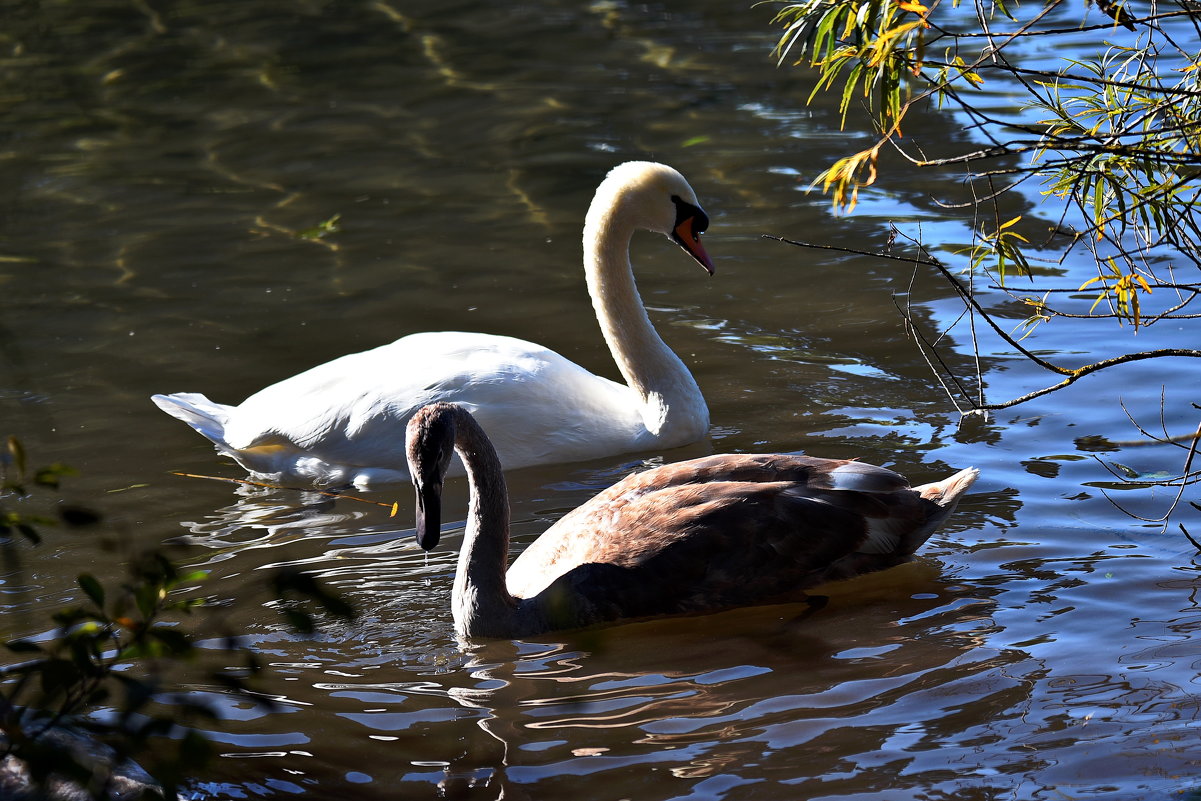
x=92 y=697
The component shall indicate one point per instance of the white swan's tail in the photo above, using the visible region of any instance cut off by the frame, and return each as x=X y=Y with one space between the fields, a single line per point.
x=946 y=494
x=199 y=412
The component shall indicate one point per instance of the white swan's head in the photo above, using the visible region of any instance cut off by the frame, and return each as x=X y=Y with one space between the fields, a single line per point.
x=657 y=198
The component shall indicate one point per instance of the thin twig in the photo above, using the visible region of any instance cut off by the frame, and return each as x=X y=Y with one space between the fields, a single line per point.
x=394 y=507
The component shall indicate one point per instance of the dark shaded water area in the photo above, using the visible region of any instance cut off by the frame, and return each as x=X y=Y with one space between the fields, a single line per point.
x=157 y=162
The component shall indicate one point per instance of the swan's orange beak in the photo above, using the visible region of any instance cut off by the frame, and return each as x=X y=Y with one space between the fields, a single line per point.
x=429 y=515
x=690 y=240
x=691 y=222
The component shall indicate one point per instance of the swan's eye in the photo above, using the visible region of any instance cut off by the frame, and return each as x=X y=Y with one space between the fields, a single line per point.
x=688 y=211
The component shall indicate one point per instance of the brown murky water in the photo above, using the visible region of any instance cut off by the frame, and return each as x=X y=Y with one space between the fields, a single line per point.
x=155 y=162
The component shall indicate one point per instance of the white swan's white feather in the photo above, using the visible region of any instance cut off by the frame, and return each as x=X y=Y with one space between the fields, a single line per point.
x=343 y=422
x=338 y=421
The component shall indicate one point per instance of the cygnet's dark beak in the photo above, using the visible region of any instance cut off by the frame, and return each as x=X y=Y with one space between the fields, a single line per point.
x=429 y=514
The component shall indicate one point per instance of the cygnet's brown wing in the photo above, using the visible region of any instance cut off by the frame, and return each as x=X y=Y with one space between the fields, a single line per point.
x=717 y=532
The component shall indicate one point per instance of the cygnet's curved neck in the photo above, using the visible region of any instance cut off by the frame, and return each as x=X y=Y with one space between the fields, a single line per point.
x=481 y=602
x=672 y=405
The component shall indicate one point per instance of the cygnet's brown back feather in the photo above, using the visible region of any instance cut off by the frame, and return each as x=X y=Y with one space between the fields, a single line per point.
x=718 y=532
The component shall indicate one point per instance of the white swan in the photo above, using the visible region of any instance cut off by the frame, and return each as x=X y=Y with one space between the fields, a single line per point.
x=694 y=536
x=343 y=422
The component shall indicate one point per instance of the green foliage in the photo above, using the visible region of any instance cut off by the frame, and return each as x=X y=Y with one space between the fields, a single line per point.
x=16 y=480
x=870 y=42
x=1125 y=148
x=1119 y=143
x=104 y=670
x=1116 y=150
x=868 y=46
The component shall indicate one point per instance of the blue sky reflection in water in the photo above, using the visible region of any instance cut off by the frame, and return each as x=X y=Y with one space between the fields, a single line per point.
x=158 y=163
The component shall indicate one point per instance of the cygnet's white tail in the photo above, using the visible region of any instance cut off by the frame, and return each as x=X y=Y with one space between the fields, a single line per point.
x=946 y=494
x=197 y=411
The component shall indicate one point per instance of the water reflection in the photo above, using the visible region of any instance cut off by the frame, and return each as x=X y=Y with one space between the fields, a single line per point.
x=268 y=517
x=157 y=164
x=704 y=699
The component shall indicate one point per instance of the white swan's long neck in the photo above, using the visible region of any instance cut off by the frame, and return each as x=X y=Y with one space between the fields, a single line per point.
x=481 y=602
x=673 y=409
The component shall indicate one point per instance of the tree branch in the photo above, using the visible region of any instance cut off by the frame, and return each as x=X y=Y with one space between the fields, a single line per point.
x=963 y=292
x=1088 y=369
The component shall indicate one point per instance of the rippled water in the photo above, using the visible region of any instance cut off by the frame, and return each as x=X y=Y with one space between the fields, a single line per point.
x=156 y=163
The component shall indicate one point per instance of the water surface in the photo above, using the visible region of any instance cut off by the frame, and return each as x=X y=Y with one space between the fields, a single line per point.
x=157 y=163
